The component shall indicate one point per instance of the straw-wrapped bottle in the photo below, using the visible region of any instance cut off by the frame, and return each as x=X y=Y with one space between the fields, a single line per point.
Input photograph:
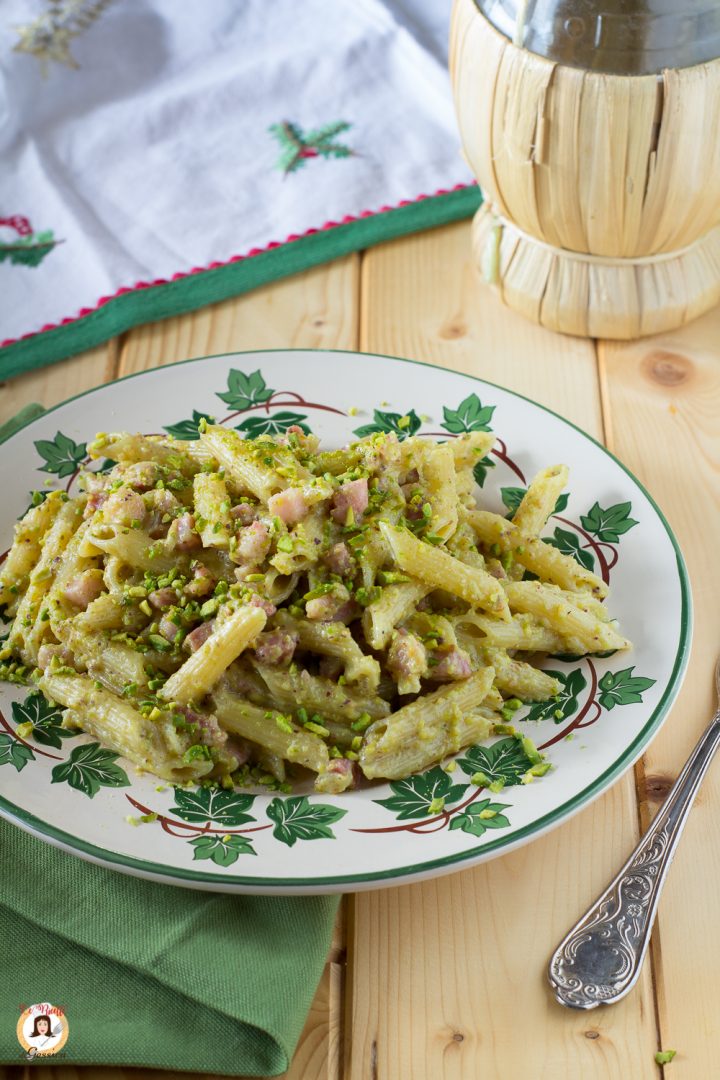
x=594 y=132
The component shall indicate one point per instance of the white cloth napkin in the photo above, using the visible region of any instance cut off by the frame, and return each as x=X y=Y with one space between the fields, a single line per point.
x=143 y=138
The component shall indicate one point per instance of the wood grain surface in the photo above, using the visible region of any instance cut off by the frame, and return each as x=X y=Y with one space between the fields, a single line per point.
x=446 y=980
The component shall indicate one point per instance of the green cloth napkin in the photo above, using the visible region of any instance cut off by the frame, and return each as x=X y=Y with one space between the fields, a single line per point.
x=154 y=975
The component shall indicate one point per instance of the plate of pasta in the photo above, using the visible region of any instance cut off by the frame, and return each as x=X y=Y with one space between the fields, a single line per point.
x=306 y=621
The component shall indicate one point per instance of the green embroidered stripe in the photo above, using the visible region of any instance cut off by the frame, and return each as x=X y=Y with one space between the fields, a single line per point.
x=211 y=286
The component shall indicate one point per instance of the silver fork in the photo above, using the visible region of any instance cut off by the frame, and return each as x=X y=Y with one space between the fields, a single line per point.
x=599 y=961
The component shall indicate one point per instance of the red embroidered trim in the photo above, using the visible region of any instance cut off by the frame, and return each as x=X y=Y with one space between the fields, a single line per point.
x=346 y=220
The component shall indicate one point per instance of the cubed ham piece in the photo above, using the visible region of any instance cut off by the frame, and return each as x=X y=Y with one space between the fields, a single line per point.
x=267 y=606
x=142 y=475
x=162 y=598
x=199 y=635
x=182 y=531
x=335 y=606
x=211 y=734
x=83 y=589
x=289 y=505
x=339 y=775
x=253 y=543
x=168 y=629
x=339 y=560
x=47 y=652
x=276 y=647
x=124 y=507
x=407 y=661
x=202 y=583
x=96 y=499
x=244 y=513
x=454 y=664
x=351 y=496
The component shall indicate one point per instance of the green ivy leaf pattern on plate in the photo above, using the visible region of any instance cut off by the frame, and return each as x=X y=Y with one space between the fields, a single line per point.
x=481 y=469
x=296 y=818
x=276 y=424
x=422 y=794
x=569 y=543
x=208 y=804
x=609 y=524
x=89 y=768
x=470 y=415
x=14 y=753
x=503 y=760
x=565 y=704
x=402 y=424
x=622 y=688
x=513 y=496
x=188 y=429
x=46 y=720
x=61 y=455
x=223 y=850
x=245 y=390
x=480 y=816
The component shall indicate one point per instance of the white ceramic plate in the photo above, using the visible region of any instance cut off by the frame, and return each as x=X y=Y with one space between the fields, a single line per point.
x=72 y=793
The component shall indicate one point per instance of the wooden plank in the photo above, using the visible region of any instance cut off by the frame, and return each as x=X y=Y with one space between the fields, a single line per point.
x=53 y=384
x=662 y=398
x=446 y=978
x=314 y=310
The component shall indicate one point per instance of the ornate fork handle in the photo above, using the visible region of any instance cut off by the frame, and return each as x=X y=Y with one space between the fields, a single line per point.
x=600 y=959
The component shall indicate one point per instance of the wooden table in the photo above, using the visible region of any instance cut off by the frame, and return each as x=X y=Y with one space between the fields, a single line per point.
x=446 y=980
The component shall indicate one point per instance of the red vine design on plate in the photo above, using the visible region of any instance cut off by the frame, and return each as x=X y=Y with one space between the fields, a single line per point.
x=579 y=721
x=439 y=821
x=170 y=824
x=274 y=401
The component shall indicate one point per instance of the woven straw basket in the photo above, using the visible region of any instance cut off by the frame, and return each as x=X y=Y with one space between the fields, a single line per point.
x=602 y=192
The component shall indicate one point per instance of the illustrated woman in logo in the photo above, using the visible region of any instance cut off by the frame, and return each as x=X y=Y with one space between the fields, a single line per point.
x=42 y=1035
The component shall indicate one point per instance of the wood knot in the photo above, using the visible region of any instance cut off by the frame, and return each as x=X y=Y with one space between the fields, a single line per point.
x=668 y=368
x=458 y=1037
x=658 y=787
x=592 y=1034
x=453 y=330
x=318 y=321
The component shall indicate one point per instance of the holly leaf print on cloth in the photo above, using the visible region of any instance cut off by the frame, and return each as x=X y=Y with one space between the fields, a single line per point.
x=470 y=415
x=609 y=524
x=480 y=816
x=569 y=544
x=14 y=753
x=223 y=850
x=46 y=720
x=277 y=424
x=299 y=819
x=245 y=390
x=207 y=804
x=505 y=760
x=622 y=688
x=28 y=250
x=188 y=429
x=61 y=455
x=402 y=424
x=565 y=704
x=298 y=147
x=89 y=768
x=423 y=794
